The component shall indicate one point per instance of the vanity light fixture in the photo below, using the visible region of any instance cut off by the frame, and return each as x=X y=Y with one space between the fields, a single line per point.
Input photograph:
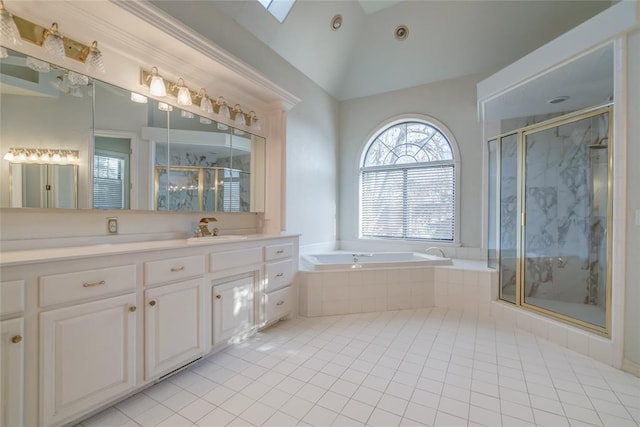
x=223 y=108
x=163 y=106
x=184 y=96
x=77 y=79
x=205 y=102
x=53 y=42
x=42 y=155
x=37 y=65
x=238 y=117
x=93 y=58
x=8 y=28
x=155 y=82
x=254 y=122
x=17 y=29
x=140 y=99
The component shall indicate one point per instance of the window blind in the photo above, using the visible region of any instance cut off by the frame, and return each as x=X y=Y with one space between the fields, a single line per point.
x=108 y=182
x=409 y=203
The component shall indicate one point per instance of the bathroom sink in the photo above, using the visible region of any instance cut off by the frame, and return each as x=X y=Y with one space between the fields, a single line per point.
x=210 y=239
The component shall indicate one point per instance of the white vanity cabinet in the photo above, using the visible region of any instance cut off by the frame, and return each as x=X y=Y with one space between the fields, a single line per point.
x=174 y=321
x=235 y=278
x=277 y=293
x=83 y=327
x=87 y=356
x=174 y=313
x=87 y=350
x=11 y=353
x=233 y=309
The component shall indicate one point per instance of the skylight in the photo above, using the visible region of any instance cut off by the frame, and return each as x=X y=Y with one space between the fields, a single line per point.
x=278 y=8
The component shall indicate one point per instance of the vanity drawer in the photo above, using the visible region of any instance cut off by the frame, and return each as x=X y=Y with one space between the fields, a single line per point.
x=279 y=303
x=169 y=270
x=273 y=252
x=278 y=275
x=233 y=259
x=11 y=297
x=83 y=285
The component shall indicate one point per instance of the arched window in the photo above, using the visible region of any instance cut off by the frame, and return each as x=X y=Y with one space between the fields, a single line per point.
x=407 y=184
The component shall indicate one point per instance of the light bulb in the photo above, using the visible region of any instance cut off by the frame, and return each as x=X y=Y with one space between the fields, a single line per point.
x=45 y=157
x=8 y=28
x=22 y=156
x=163 y=106
x=9 y=156
x=93 y=61
x=206 y=105
x=186 y=114
x=140 y=99
x=239 y=117
x=56 y=157
x=157 y=86
x=33 y=156
x=53 y=42
x=184 y=96
x=255 y=124
x=37 y=65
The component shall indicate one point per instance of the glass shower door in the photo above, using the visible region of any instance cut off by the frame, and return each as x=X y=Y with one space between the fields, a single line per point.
x=566 y=201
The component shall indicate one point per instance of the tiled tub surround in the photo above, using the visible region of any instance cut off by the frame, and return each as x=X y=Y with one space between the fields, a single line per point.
x=465 y=284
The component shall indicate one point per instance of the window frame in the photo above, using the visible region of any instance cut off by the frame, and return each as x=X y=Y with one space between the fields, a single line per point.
x=442 y=128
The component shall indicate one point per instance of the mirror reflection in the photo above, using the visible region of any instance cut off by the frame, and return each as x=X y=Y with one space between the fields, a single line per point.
x=132 y=152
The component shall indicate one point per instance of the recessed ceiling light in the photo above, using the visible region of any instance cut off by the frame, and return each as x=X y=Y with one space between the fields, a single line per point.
x=336 y=22
x=558 y=99
x=401 y=33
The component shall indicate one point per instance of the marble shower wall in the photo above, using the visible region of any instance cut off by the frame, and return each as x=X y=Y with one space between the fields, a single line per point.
x=566 y=204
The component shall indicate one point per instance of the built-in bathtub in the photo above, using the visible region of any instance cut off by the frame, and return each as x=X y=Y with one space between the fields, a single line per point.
x=356 y=260
x=344 y=282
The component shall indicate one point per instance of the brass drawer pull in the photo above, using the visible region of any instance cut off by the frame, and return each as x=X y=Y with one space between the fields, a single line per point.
x=16 y=339
x=132 y=308
x=218 y=296
x=280 y=251
x=279 y=274
x=152 y=303
x=92 y=284
x=280 y=303
x=176 y=269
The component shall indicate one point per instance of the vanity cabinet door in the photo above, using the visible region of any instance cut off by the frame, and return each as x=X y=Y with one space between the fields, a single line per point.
x=233 y=310
x=87 y=353
x=11 y=372
x=174 y=321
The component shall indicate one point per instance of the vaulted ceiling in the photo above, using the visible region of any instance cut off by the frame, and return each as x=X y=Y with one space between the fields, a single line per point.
x=447 y=38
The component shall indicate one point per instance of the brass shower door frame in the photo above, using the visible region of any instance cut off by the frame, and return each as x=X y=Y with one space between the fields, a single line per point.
x=521 y=220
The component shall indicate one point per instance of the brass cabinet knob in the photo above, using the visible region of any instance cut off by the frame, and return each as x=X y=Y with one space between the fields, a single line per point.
x=152 y=303
x=218 y=296
x=16 y=339
x=132 y=308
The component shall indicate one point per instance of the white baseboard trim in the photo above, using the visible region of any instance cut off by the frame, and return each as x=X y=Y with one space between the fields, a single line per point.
x=631 y=367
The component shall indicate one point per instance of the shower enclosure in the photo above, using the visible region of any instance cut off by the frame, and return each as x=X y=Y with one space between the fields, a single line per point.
x=550 y=217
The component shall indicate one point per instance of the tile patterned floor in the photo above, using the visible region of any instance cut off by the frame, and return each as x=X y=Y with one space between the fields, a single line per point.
x=433 y=367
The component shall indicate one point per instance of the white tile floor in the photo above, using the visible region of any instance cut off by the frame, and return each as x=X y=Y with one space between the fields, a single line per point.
x=432 y=367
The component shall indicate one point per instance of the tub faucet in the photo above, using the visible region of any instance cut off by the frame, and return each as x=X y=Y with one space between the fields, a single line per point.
x=204 y=226
x=435 y=248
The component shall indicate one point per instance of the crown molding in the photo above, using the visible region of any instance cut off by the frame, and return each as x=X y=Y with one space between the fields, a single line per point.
x=148 y=13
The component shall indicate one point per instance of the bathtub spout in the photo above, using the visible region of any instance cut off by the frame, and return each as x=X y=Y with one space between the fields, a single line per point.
x=434 y=248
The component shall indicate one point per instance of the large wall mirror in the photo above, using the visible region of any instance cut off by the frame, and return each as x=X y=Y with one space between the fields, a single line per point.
x=76 y=142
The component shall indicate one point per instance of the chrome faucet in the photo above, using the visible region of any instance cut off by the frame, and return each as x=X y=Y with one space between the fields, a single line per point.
x=203 y=225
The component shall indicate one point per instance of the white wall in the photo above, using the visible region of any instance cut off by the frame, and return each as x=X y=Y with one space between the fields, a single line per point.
x=312 y=140
x=453 y=103
x=632 y=291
